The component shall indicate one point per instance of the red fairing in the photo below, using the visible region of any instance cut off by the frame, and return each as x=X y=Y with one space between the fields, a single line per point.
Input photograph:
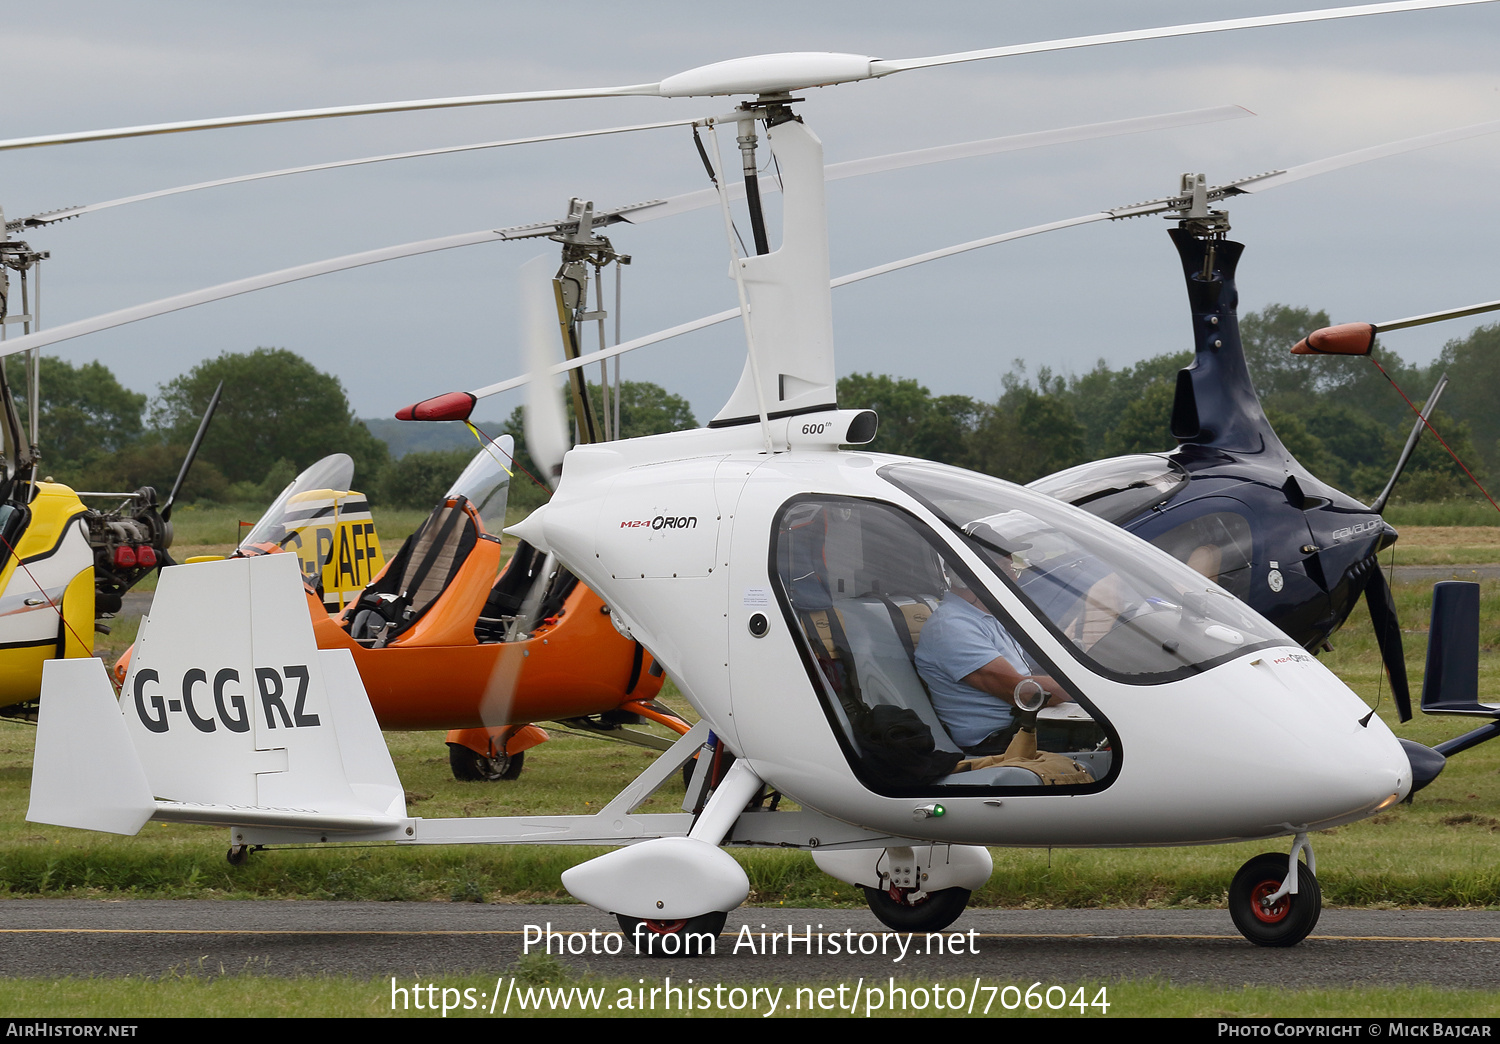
x=450 y=406
x=1344 y=339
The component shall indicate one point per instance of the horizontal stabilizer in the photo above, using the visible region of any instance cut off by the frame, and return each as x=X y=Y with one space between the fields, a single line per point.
x=103 y=788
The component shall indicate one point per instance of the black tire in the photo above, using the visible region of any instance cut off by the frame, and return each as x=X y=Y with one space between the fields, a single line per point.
x=929 y=912
x=513 y=765
x=237 y=855
x=1290 y=920
x=471 y=767
x=669 y=938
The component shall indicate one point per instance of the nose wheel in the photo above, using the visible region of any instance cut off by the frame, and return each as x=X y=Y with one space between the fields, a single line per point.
x=908 y=910
x=685 y=937
x=1265 y=917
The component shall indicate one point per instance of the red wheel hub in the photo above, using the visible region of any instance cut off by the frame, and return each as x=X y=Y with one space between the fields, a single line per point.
x=904 y=896
x=1273 y=913
x=665 y=927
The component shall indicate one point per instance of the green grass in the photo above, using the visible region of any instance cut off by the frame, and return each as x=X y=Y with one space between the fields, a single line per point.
x=1443 y=513
x=1445 y=545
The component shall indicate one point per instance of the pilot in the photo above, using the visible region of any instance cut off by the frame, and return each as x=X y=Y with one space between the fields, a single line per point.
x=972 y=666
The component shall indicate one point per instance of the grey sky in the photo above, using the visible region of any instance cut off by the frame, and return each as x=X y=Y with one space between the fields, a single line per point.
x=1395 y=237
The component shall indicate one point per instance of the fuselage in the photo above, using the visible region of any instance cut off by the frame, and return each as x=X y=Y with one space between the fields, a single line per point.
x=771 y=587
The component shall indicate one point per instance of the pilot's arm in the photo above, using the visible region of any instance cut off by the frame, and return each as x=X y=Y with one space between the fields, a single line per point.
x=999 y=678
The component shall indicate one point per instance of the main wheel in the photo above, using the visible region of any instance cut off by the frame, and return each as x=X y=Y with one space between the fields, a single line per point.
x=908 y=911
x=1288 y=920
x=513 y=765
x=687 y=937
x=471 y=767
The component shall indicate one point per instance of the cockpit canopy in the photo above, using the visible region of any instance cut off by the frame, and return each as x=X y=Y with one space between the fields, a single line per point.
x=1117 y=489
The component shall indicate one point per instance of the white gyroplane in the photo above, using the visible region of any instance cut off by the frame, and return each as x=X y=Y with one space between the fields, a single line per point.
x=790 y=587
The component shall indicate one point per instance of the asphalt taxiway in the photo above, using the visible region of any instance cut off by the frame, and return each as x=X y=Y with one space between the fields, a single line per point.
x=424 y=940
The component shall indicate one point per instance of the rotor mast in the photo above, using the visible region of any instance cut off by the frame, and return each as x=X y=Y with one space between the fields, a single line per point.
x=17 y=256
x=788 y=307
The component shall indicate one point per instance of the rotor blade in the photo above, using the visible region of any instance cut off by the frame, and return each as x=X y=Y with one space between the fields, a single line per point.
x=757 y=74
x=170 y=304
x=1274 y=178
x=1133 y=210
x=47 y=218
x=733 y=313
x=135 y=313
x=192 y=453
x=885 y=68
x=1349 y=159
x=296 y=115
x=1388 y=637
x=1435 y=317
x=546 y=421
x=709 y=197
x=1359 y=338
x=1411 y=444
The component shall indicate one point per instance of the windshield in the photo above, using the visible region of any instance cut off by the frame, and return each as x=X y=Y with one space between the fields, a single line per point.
x=486 y=482
x=1132 y=611
x=335 y=472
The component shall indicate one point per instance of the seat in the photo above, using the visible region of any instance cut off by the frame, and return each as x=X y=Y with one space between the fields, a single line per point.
x=416 y=578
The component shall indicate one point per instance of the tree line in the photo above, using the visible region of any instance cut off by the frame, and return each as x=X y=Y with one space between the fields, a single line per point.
x=1338 y=415
x=279 y=414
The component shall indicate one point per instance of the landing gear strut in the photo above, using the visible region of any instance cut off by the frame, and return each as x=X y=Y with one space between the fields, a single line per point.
x=472 y=767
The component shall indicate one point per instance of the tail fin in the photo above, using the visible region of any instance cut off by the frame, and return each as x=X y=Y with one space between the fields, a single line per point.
x=230 y=714
x=1451 y=682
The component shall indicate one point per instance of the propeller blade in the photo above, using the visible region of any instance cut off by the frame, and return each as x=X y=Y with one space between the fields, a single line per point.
x=545 y=417
x=1411 y=444
x=51 y=216
x=192 y=453
x=1388 y=636
x=757 y=74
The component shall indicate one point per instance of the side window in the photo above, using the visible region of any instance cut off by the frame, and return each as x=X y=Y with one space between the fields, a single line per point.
x=918 y=669
x=1216 y=545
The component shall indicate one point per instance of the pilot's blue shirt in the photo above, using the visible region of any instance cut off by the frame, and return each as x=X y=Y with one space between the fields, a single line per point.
x=958 y=640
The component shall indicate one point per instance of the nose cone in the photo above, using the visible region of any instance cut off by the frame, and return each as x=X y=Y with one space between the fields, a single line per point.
x=1305 y=754
x=1426 y=763
x=1359 y=773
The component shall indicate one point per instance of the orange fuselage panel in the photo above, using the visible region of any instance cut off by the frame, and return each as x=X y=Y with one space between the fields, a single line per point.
x=577 y=665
